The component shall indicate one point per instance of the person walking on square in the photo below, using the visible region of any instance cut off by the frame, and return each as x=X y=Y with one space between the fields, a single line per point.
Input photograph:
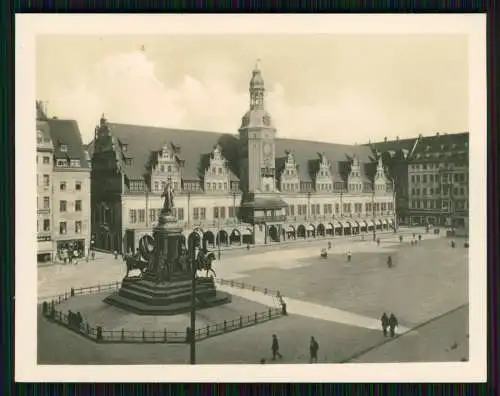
x=401 y=238
x=378 y=241
x=349 y=255
x=275 y=347
x=384 y=320
x=313 y=350
x=419 y=237
x=389 y=261
x=115 y=253
x=393 y=323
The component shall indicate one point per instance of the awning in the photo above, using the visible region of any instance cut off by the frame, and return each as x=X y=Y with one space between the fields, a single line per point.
x=338 y=224
x=356 y=223
x=266 y=203
x=329 y=226
x=310 y=227
x=291 y=228
x=379 y=221
x=384 y=221
x=370 y=223
x=348 y=224
x=236 y=232
x=390 y=221
x=247 y=231
x=363 y=224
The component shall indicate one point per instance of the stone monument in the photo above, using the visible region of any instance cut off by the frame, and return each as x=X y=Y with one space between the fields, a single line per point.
x=165 y=287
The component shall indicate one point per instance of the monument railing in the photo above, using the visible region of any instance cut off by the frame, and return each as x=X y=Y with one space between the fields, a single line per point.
x=102 y=335
x=248 y=286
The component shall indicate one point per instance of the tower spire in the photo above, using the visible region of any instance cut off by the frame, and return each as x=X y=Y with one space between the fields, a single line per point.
x=257 y=88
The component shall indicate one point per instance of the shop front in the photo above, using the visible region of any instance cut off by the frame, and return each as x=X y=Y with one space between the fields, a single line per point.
x=45 y=249
x=64 y=248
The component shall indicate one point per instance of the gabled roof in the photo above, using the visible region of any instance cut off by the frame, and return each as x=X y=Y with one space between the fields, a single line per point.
x=443 y=143
x=393 y=145
x=66 y=132
x=195 y=146
x=305 y=150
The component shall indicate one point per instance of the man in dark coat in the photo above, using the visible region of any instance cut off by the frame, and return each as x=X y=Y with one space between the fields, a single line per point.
x=313 y=350
x=389 y=262
x=384 y=320
x=275 y=347
x=393 y=323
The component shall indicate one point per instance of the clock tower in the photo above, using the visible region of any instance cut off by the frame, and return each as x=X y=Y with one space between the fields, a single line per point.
x=257 y=142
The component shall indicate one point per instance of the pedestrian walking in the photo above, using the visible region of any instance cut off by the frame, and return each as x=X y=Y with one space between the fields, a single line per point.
x=389 y=262
x=401 y=238
x=115 y=253
x=349 y=255
x=275 y=347
x=384 y=320
x=92 y=255
x=419 y=237
x=378 y=241
x=393 y=323
x=313 y=350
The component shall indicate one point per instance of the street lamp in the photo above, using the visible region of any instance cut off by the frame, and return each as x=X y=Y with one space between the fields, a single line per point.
x=192 y=316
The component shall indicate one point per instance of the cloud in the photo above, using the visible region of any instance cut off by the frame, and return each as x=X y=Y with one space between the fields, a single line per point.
x=126 y=87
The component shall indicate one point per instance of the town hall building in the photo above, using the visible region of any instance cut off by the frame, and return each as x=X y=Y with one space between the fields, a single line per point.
x=249 y=188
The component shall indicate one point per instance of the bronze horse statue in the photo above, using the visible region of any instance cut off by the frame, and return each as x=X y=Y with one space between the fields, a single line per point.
x=204 y=262
x=134 y=262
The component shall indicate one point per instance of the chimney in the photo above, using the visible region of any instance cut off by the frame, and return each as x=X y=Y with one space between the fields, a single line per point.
x=385 y=139
x=437 y=133
x=397 y=138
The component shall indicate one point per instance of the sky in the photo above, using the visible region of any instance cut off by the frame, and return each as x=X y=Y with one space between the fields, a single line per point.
x=337 y=88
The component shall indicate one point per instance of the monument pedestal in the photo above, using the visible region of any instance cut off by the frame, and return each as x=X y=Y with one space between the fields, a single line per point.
x=165 y=289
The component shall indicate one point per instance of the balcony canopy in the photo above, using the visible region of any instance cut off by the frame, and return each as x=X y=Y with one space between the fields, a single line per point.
x=266 y=203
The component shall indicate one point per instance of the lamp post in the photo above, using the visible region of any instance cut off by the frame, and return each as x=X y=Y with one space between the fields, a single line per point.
x=192 y=316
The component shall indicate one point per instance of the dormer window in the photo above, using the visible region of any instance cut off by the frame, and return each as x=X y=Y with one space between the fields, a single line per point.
x=39 y=136
x=128 y=161
x=63 y=148
x=62 y=163
x=124 y=147
x=75 y=163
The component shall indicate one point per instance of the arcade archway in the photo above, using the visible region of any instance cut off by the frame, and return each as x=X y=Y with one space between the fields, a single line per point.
x=222 y=238
x=235 y=237
x=321 y=230
x=274 y=234
x=208 y=239
x=301 y=231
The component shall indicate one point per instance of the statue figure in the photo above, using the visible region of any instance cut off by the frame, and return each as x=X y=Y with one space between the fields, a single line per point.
x=168 y=193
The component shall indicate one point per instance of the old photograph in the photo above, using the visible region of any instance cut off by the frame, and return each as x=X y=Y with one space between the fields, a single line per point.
x=259 y=198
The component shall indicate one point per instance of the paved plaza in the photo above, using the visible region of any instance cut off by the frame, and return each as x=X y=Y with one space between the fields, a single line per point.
x=337 y=302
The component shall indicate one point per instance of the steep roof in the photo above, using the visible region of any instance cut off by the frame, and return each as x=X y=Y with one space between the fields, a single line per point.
x=305 y=152
x=453 y=146
x=195 y=146
x=66 y=132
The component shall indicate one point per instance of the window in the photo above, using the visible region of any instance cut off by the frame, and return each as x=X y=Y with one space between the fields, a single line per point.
x=424 y=191
x=413 y=178
x=63 y=228
x=299 y=210
x=169 y=169
x=292 y=210
x=75 y=163
x=46 y=160
x=214 y=186
x=203 y=214
x=63 y=148
x=337 y=208
x=180 y=214
x=132 y=216
x=62 y=186
x=222 y=212
x=196 y=213
x=220 y=171
x=431 y=191
x=78 y=227
x=62 y=206
x=78 y=205
x=162 y=168
x=152 y=215
x=313 y=209
x=46 y=202
x=78 y=186
x=142 y=215
x=220 y=186
x=225 y=186
x=216 y=213
x=444 y=204
x=62 y=163
x=46 y=225
x=424 y=178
